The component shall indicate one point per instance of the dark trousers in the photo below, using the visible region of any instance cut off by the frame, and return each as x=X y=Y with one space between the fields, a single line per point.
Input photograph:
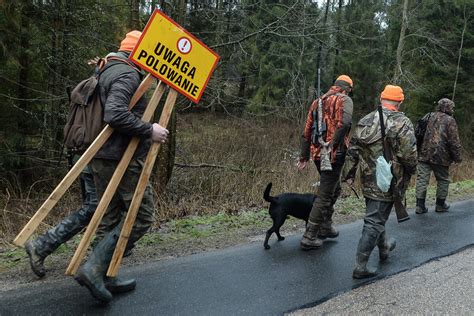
x=328 y=193
x=103 y=170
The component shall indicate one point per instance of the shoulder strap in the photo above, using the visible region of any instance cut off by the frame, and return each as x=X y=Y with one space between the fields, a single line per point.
x=386 y=149
x=382 y=123
x=123 y=60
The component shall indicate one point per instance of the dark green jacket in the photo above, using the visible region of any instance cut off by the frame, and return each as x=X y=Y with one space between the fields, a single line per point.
x=118 y=82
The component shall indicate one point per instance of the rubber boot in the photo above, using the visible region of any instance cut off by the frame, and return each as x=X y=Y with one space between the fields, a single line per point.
x=310 y=238
x=118 y=285
x=385 y=246
x=366 y=245
x=420 y=206
x=92 y=273
x=46 y=244
x=441 y=206
x=36 y=261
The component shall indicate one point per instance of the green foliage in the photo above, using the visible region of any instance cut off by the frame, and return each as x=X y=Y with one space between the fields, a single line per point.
x=269 y=54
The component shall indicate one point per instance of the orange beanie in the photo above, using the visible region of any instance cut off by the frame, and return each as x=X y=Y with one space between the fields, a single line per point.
x=393 y=93
x=130 y=40
x=345 y=78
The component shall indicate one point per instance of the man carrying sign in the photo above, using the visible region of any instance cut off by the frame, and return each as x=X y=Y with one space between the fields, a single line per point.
x=118 y=82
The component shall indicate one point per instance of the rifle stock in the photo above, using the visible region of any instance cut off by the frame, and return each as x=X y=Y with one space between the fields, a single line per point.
x=400 y=209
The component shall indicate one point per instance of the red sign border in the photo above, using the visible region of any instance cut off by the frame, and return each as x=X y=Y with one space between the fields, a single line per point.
x=157 y=11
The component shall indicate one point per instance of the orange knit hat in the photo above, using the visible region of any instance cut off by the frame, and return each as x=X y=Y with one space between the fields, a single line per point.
x=345 y=78
x=393 y=93
x=130 y=40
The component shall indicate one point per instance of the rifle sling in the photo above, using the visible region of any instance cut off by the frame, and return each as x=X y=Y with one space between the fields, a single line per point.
x=386 y=150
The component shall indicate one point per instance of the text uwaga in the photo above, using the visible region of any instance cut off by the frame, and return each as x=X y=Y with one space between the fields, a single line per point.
x=169 y=69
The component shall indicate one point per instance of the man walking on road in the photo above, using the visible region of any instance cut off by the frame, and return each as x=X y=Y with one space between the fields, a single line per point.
x=326 y=139
x=118 y=82
x=365 y=148
x=440 y=147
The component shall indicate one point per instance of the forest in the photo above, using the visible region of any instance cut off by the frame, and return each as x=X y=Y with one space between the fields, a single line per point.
x=245 y=131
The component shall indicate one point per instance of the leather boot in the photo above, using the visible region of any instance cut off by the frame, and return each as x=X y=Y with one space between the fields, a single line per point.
x=327 y=231
x=366 y=245
x=441 y=205
x=420 y=206
x=385 y=246
x=310 y=238
x=92 y=273
x=118 y=285
x=36 y=261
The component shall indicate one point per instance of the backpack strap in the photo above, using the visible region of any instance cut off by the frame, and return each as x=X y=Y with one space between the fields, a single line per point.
x=123 y=60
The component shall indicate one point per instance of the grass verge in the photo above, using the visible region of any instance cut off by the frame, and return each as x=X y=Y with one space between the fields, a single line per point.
x=193 y=234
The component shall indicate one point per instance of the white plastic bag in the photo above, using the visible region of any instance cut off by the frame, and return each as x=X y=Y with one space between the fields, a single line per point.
x=383 y=174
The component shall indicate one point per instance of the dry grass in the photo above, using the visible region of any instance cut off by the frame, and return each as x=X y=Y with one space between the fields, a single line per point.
x=223 y=165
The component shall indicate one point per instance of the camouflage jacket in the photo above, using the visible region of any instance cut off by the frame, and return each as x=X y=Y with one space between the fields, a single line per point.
x=366 y=146
x=441 y=144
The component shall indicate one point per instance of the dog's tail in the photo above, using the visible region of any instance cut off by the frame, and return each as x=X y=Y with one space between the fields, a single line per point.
x=266 y=194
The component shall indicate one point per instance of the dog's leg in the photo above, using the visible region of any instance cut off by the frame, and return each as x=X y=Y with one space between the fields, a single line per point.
x=267 y=236
x=280 y=237
x=279 y=222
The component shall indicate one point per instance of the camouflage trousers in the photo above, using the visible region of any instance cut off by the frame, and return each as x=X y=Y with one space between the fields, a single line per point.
x=74 y=223
x=423 y=178
x=103 y=170
x=328 y=192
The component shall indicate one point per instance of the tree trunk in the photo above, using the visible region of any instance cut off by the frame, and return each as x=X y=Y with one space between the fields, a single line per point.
x=398 y=73
x=23 y=84
x=320 y=48
x=460 y=52
x=338 y=35
x=135 y=15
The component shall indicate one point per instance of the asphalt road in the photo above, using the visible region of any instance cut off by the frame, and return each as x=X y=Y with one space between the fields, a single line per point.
x=441 y=287
x=248 y=280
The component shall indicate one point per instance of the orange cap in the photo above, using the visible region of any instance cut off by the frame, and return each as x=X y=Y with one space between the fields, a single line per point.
x=130 y=40
x=393 y=93
x=345 y=78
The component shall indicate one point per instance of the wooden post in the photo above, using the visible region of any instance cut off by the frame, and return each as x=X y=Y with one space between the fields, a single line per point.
x=112 y=186
x=75 y=171
x=140 y=189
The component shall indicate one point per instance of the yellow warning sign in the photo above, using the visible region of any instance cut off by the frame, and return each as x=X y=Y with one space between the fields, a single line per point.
x=176 y=57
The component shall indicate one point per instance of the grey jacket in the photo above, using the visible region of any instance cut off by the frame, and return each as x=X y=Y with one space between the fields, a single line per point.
x=117 y=83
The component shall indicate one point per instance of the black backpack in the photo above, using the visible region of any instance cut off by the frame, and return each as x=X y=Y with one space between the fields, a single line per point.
x=420 y=130
x=85 y=118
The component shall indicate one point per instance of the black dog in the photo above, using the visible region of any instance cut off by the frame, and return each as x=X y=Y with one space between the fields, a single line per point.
x=294 y=204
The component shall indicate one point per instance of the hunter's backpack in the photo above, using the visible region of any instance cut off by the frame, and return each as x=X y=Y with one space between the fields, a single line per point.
x=420 y=130
x=85 y=118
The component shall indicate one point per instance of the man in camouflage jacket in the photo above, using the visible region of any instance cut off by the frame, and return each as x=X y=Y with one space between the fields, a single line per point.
x=365 y=147
x=441 y=147
x=337 y=116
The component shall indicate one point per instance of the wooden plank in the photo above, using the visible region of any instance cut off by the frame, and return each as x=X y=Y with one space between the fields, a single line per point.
x=140 y=189
x=75 y=171
x=112 y=186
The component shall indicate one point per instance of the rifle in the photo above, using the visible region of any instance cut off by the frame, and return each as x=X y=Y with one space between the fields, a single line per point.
x=319 y=129
x=397 y=185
